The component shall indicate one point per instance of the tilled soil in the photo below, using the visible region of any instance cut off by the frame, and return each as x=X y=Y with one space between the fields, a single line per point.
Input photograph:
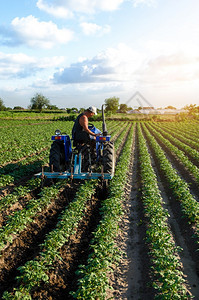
x=63 y=279
x=26 y=245
x=130 y=279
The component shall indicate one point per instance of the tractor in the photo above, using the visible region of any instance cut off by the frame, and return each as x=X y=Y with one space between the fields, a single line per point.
x=81 y=161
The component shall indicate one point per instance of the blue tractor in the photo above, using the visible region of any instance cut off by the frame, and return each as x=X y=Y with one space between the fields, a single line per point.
x=81 y=161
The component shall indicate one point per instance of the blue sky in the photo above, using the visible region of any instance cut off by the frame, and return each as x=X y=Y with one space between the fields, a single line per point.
x=79 y=52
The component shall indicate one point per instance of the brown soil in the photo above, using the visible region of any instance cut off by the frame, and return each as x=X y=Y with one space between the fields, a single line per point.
x=130 y=279
x=63 y=278
x=26 y=245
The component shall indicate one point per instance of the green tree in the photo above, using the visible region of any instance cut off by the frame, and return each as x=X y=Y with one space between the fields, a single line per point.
x=39 y=102
x=192 y=108
x=18 y=108
x=81 y=110
x=2 y=106
x=52 y=107
x=112 y=104
x=72 y=110
x=123 y=108
x=170 y=107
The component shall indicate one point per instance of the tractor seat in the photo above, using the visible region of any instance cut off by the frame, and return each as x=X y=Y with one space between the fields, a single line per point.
x=79 y=145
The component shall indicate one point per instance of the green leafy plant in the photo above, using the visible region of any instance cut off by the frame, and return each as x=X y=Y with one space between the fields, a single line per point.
x=169 y=282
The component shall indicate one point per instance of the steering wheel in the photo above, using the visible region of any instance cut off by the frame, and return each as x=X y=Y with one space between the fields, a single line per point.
x=91 y=126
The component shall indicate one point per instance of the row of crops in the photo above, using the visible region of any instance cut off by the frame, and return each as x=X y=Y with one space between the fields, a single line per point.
x=168 y=160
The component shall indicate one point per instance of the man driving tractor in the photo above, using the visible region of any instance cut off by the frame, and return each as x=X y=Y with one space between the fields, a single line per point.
x=92 y=154
x=80 y=132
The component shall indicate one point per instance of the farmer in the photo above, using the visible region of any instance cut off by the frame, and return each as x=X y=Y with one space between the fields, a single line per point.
x=80 y=132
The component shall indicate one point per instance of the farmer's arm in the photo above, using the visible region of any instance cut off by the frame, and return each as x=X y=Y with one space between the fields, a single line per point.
x=83 y=121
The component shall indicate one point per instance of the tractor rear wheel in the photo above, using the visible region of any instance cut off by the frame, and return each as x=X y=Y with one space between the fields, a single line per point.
x=108 y=159
x=57 y=157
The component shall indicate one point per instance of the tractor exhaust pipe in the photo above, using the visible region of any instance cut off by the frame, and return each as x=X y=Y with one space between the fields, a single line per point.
x=104 y=129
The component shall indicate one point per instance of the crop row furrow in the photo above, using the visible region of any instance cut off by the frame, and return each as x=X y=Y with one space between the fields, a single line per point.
x=35 y=271
x=15 y=143
x=113 y=126
x=179 y=188
x=19 y=192
x=188 y=127
x=194 y=154
x=15 y=164
x=14 y=172
x=117 y=132
x=6 y=123
x=166 y=266
x=187 y=138
x=193 y=169
x=17 y=222
x=121 y=138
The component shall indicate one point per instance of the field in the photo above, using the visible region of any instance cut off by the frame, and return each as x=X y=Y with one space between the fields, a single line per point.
x=68 y=241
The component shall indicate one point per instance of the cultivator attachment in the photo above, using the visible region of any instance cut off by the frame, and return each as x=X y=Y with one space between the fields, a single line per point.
x=74 y=172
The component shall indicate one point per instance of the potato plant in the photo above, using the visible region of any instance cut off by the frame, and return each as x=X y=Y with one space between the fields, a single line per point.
x=194 y=170
x=180 y=189
x=166 y=267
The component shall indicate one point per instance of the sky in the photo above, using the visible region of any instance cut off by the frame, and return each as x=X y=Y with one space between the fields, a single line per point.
x=78 y=53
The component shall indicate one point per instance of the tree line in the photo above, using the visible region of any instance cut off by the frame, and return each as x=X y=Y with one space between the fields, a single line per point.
x=40 y=102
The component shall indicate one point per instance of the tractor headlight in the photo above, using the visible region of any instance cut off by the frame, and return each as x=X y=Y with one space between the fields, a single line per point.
x=57 y=132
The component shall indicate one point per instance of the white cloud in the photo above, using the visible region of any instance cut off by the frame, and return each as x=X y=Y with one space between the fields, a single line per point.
x=112 y=72
x=114 y=64
x=155 y=47
x=66 y=8
x=94 y=29
x=123 y=66
x=144 y=2
x=30 y=31
x=173 y=69
x=19 y=65
x=55 y=10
